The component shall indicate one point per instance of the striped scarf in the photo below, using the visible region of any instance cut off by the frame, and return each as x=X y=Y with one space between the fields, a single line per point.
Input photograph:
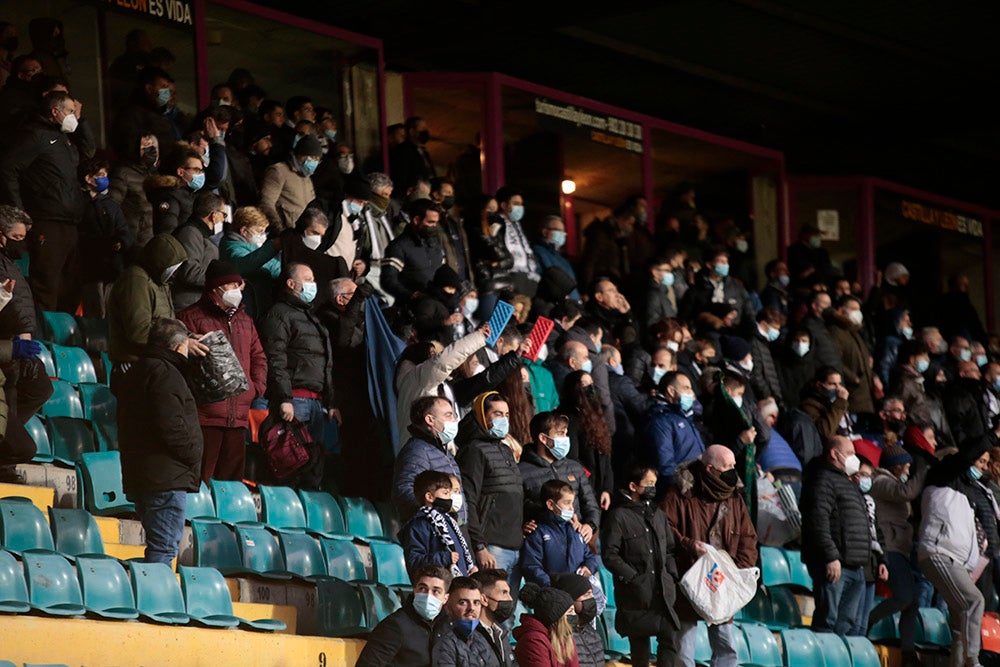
x=440 y=522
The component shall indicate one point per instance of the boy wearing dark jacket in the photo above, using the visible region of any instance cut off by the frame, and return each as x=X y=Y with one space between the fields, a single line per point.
x=555 y=546
x=432 y=536
x=106 y=240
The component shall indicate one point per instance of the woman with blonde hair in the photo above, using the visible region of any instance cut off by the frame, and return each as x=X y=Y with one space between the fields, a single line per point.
x=545 y=636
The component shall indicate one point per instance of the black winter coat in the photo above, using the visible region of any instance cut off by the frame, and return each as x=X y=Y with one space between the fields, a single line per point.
x=979 y=497
x=298 y=350
x=465 y=390
x=965 y=408
x=410 y=263
x=535 y=471
x=764 y=378
x=102 y=227
x=834 y=518
x=402 y=639
x=637 y=546
x=655 y=304
x=494 y=490
x=18 y=316
x=589 y=647
x=158 y=432
x=172 y=201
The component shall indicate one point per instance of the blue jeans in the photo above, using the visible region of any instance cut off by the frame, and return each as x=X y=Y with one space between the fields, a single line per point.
x=310 y=412
x=720 y=638
x=507 y=559
x=903 y=584
x=162 y=517
x=837 y=603
x=859 y=627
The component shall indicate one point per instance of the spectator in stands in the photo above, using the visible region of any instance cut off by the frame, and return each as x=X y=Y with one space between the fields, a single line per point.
x=836 y=543
x=207 y=218
x=797 y=365
x=494 y=490
x=379 y=219
x=451 y=230
x=589 y=332
x=875 y=568
x=704 y=489
x=172 y=194
x=822 y=343
x=224 y=424
x=159 y=438
x=309 y=243
x=525 y=272
x=896 y=329
x=256 y=258
x=127 y=179
x=659 y=300
x=458 y=642
x=105 y=239
x=403 y=639
x=146 y=113
x=973 y=406
x=826 y=403
x=287 y=190
x=983 y=503
x=775 y=293
x=590 y=441
x=300 y=362
x=17 y=319
x=764 y=376
x=432 y=536
x=548 y=249
x=612 y=311
x=670 y=436
x=18 y=98
x=543 y=386
x=352 y=238
x=644 y=568
x=497 y=609
x=629 y=405
x=546 y=458
x=38 y=173
x=415 y=255
x=695 y=359
x=409 y=160
x=617 y=247
x=895 y=485
x=778 y=457
x=492 y=260
x=713 y=285
x=589 y=646
x=545 y=636
x=432 y=429
x=555 y=545
x=808 y=259
x=948 y=551
x=845 y=327
x=909 y=383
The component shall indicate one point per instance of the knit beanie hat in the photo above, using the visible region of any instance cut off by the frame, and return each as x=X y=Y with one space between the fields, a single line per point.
x=894 y=455
x=574 y=584
x=308 y=145
x=220 y=273
x=548 y=605
x=734 y=348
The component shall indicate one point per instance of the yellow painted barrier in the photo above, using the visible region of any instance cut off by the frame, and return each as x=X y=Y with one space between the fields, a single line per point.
x=43 y=497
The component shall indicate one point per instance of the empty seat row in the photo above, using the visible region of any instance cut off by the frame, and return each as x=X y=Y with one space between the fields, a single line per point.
x=90 y=333
x=100 y=586
x=784 y=567
x=64 y=440
x=71 y=532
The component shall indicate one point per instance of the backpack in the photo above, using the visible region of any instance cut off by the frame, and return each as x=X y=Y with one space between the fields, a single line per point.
x=286 y=446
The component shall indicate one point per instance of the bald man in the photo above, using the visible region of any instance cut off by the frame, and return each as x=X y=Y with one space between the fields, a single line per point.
x=573 y=356
x=703 y=489
x=836 y=543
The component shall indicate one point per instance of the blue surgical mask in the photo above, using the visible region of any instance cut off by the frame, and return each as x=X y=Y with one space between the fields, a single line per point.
x=831 y=395
x=668 y=279
x=981 y=360
x=800 y=348
x=163 y=97
x=565 y=515
x=197 y=182
x=907 y=332
x=815 y=241
x=464 y=627
x=687 y=402
x=742 y=246
x=965 y=355
x=309 y=166
x=996 y=385
x=784 y=280
x=500 y=428
x=738 y=401
x=308 y=292
x=355 y=207
x=471 y=306
x=658 y=374
x=772 y=334
x=448 y=433
x=587 y=366
x=426 y=605
x=558 y=239
x=598 y=346
x=617 y=370
x=516 y=213
x=975 y=474
x=330 y=134
x=560 y=446
x=102 y=183
x=922 y=366
x=865 y=484
x=721 y=269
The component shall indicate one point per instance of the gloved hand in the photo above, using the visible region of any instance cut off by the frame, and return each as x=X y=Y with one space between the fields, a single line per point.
x=26 y=349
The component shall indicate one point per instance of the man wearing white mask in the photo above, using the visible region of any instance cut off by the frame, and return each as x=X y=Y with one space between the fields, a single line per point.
x=549 y=250
x=845 y=327
x=836 y=543
x=525 y=272
x=433 y=426
x=39 y=175
x=224 y=423
x=207 y=219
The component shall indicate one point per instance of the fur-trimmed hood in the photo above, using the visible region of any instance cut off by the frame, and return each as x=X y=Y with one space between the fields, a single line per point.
x=161 y=181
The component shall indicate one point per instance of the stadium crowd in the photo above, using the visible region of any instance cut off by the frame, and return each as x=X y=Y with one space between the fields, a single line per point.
x=675 y=386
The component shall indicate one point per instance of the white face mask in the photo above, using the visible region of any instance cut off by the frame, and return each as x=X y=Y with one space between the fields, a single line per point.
x=856 y=317
x=747 y=365
x=169 y=271
x=543 y=352
x=852 y=464
x=673 y=345
x=69 y=123
x=312 y=242
x=345 y=164
x=217 y=227
x=232 y=297
x=457 y=501
x=258 y=239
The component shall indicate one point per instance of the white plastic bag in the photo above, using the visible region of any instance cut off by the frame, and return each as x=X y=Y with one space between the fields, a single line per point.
x=717 y=588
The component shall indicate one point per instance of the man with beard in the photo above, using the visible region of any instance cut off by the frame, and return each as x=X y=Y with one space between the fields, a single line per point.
x=412 y=259
x=973 y=404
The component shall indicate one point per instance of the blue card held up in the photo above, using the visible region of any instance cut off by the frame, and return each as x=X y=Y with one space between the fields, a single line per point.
x=502 y=313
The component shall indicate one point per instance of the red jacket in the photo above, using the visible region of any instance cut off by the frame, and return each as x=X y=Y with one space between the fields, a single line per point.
x=205 y=316
x=533 y=648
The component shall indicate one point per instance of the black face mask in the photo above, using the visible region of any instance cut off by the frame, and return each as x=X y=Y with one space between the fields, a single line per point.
x=442 y=504
x=423 y=136
x=590 y=391
x=895 y=425
x=647 y=493
x=427 y=232
x=447 y=202
x=15 y=249
x=504 y=610
x=572 y=619
x=729 y=477
x=149 y=156
x=588 y=613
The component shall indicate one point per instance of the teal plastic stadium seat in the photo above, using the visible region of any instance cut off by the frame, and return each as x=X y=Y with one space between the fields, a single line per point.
x=773 y=567
x=764 y=649
x=52 y=584
x=862 y=652
x=43 y=448
x=233 y=502
x=207 y=599
x=801 y=648
x=933 y=630
x=323 y=513
x=388 y=514
x=302 y=554
x=61 y=328
x=343 y=560
x=742 y=648
x=23 y=526
x=361 y=518
x=71 y=438
x=281 y=507
x=48 y=664
x=834 y=650
x=106 y=588
x=105 y=364
x=7 y=663
x=702 y=647
x=215 y=546
x=94 y=334
x=379 y=601
x=261 y=551
x=75 y=532
x=389 y=564
x=887 y=629
x=45 y=356
x=798 y=571
x=784 y=608
x=200 y=505
x=608 y=584
x=758 y=610
x=100 y=406
x=617 y=646
x=73 y=364
x=100 y=480
x=340 y=610
x=13 y=591
x=157 y=593
x=64 y=401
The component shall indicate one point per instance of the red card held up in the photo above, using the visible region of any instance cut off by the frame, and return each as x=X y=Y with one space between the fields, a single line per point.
x=539 y=334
